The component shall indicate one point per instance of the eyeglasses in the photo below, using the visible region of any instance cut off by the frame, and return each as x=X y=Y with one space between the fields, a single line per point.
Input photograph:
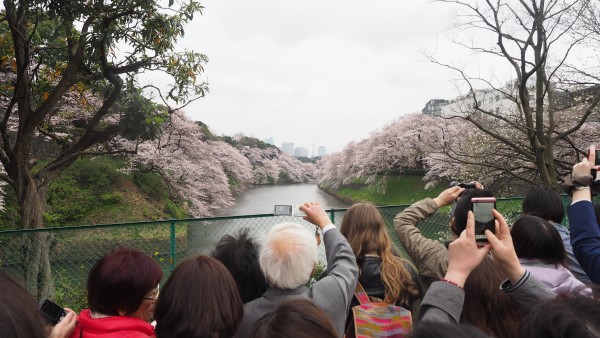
x=157 y=292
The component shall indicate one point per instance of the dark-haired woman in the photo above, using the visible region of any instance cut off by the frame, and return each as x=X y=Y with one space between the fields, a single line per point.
x=541 y=251
x=200 y=299
x=122 y=289
x=299 y=318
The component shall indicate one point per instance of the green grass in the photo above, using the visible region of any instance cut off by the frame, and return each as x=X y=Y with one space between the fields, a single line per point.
x=97 y=191
x=390 y=190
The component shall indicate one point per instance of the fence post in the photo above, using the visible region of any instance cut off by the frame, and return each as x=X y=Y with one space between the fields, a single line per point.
x=172 y=246
x=332 y=216
x=566 y=201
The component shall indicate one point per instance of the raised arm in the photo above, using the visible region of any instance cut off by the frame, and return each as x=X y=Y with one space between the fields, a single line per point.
x=337 y=287
x=444 y=300
x=430 y=256
x=585 y=233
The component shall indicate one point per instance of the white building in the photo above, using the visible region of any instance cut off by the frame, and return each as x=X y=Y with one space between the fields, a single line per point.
x=288 y=148
x=497 y=101
x=434 y=107
x=269 y=140
x=321 y=151
x=300 y=152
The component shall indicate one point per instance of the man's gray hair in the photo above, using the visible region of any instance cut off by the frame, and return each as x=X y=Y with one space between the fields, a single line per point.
x=288 y=255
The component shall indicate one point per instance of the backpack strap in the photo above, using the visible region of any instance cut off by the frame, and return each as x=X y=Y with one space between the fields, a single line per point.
x=361 y=294
x=388 y=299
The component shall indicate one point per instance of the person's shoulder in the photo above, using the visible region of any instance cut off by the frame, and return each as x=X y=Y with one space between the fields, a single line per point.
x=254 y=303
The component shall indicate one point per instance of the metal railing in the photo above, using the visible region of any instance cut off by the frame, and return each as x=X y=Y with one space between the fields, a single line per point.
x=73 y=250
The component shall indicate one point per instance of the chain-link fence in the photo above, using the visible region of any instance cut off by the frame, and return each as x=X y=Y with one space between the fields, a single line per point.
x=71 y=251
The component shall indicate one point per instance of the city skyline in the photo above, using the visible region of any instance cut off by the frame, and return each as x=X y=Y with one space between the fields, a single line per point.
x=298 y=150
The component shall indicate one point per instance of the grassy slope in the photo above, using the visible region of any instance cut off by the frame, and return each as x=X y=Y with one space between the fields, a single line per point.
x=97 y=191
x=398 y=190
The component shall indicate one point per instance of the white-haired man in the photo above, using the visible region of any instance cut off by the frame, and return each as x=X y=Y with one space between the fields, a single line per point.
x=287 y=258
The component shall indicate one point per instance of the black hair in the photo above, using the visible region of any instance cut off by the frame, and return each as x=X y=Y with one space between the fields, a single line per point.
x=240 y=256
x=545 y=203
x=298 y=317
x=537 y=238
x=463 y=205
x=563 y=317
x=199 y=300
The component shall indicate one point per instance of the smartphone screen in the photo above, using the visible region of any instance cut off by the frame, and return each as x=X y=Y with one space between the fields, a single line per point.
x=285 y=210
x=52 y=312
x=484 y=219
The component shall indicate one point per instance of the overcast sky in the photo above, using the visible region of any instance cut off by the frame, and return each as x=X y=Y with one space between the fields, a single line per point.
x=318 y=72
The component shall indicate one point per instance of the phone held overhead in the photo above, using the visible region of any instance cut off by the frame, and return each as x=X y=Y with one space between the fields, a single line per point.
x=482 y=208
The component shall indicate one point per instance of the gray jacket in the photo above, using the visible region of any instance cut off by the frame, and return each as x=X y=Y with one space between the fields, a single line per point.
x=573 y=265
x=443 y=302
x=332 y=293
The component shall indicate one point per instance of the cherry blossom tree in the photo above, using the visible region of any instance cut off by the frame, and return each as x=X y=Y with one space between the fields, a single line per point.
x=399 y=146
x=202 y=175
x=270 y=165
x=70 y=74
x=450 y=149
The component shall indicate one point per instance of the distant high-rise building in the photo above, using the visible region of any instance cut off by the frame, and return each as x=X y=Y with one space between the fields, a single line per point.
x=269 y=140
x=300 y=152
x=288 y=148
x=322 y=151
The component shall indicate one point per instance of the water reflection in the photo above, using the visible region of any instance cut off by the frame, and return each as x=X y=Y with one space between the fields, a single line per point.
x=258 y=200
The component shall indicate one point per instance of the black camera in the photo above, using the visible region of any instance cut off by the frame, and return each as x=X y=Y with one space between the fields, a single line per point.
x=52 y=312
x=470 y=185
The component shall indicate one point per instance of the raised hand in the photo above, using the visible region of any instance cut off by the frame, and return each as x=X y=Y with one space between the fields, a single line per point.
x=503 y=249
x=315 y=214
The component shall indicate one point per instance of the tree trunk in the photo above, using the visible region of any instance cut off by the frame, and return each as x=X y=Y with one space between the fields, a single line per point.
x=36 y=246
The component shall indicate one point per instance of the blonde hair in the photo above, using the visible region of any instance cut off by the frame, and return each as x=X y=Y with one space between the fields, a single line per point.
x=364 y=228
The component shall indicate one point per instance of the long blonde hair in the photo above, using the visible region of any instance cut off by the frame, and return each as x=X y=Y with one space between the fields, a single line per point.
x=364 y=228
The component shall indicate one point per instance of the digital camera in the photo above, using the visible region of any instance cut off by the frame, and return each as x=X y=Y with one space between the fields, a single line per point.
x=470 y=185
x=288 y=210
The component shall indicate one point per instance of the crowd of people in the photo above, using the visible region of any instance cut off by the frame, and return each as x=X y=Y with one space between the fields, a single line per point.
x=534 y=279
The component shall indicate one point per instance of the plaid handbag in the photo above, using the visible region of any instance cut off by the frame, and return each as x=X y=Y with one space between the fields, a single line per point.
x=378 y=318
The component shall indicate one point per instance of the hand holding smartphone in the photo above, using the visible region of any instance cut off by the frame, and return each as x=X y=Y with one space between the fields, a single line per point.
x=482 y=208
x=52 y=312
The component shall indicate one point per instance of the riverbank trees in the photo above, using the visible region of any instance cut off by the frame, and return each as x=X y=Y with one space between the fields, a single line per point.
x=442 y=150
x=69 y=73
x=551 y=117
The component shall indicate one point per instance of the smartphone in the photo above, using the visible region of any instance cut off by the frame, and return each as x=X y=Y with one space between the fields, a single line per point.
x=597 y=162
x=288 y=210
x=594 y=171
x=51 y=311
x=484 y=219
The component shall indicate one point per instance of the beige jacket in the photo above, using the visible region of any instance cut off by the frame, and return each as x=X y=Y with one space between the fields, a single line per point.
x=430 y=256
